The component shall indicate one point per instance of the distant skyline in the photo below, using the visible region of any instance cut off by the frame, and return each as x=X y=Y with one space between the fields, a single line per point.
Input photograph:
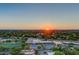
x=36 y=16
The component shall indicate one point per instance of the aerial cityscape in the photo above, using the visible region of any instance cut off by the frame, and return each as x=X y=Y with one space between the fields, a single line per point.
x=39 y=29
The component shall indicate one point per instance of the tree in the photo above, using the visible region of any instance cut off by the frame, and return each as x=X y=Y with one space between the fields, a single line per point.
x=23 y=45
x=39 y=47
x=57 y=48
x=59 y=53
x=3 y=48
x=70 y=44
x=8 y=40
x=36 y=52
x=70 y=51
x=16 y=40
x=15 y=51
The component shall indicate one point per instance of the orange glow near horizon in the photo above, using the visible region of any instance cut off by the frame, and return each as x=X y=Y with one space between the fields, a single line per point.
x=47 y=27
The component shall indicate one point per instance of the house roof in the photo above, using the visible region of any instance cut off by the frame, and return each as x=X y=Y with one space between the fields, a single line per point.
x=35 y=40
x=28 y=52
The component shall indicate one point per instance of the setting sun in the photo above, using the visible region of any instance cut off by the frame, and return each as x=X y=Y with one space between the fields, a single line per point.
x=47 y=27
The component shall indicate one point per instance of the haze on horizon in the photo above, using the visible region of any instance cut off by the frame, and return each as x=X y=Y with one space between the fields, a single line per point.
x=35 y=16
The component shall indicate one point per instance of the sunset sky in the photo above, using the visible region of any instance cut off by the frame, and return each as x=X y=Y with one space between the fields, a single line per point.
x=37 y=16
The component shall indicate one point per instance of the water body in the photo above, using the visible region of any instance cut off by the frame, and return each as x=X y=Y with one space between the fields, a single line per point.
x=10 y=44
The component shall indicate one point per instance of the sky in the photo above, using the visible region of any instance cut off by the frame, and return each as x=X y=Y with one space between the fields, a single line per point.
x=39 y=16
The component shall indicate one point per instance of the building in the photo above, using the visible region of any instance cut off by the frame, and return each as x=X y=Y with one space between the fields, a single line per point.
x=46 y=52
x=36 y=40
x=28 y=52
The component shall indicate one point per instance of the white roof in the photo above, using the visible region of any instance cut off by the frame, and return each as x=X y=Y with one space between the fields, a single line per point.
x=35 y=40
x=28 y=52
x=50 y=52
x=57 y=42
